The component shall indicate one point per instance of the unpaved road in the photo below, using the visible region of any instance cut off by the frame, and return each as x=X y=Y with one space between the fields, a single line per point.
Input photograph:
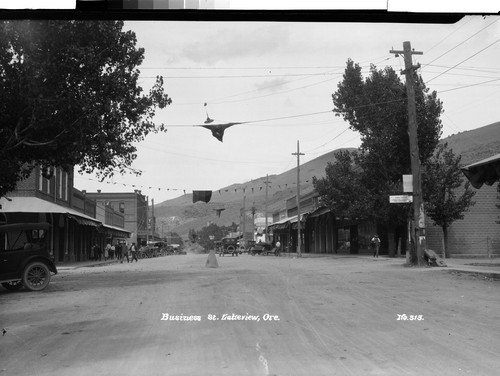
x=331 y=316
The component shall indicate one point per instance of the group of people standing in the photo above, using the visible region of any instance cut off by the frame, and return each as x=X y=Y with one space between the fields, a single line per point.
x=118 y=251
x=129 y=252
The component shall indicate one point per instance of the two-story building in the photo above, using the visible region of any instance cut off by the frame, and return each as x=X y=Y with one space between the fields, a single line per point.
x=48 y=195
x=134 y=208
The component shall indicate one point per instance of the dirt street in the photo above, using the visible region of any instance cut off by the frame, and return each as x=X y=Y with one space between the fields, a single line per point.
x=259 y=315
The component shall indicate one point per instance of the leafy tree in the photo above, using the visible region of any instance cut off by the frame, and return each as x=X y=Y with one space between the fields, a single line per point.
x=442 y=180
x=193 y=236
x=376 y=107
x=342 y=189
x=69 y=95
x=212 y=230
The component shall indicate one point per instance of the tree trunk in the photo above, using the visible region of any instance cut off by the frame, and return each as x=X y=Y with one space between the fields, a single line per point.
x=391 y=244
x=445 y=242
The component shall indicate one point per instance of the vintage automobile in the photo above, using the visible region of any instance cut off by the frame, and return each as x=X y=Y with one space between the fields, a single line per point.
x=262 y=248
x=24 y=258
x=155 y=249
x=228 y=246
x=245 y=245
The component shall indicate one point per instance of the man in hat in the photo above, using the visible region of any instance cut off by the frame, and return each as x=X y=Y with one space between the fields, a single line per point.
x=375 y=244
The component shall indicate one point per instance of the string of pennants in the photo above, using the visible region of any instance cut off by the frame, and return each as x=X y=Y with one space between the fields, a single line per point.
x=220 y=191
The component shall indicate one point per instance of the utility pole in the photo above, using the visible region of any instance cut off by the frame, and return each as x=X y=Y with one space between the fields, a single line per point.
x=153 y=221
x=253 y=220
x=298 y=154
x=244 y=218
x=418 y=202
x=147 y=220
x=266 y=182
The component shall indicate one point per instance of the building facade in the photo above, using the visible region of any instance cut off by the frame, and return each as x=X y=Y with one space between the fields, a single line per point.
x=48 y=195
x=322 y=231
x=477 y=234
x=133 y=206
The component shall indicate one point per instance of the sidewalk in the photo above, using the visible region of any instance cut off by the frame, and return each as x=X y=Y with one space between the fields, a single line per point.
x=489 y=267
x=84 y=264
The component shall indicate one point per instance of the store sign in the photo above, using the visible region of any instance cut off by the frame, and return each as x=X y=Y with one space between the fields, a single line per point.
x=407 y=183
x=400 y=199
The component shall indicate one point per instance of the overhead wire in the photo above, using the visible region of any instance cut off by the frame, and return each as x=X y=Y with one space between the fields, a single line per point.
x=449 y=35
x=470 y=57
x=292 y=116
x=467 y=68
x=470 y=85
x=222 y=100
x=456 y=46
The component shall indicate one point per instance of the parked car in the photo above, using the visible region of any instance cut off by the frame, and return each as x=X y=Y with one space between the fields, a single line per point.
x=228 y=246
x=262 y=248
x=24 y=258
x=156 y=248
x=245 y=245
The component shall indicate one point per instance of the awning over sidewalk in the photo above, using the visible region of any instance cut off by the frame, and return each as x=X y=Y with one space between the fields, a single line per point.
x=279 y=225
x=486 y=171
x=319 y=212
x=37 y=205
x=285 y=222
x=116 y=231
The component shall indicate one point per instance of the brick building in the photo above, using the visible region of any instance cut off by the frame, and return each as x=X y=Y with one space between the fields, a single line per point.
x=478 y=234
x=134 y=208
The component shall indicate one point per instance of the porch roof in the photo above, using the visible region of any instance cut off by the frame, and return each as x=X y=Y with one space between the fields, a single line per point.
x=486 y=171
x=116 y=231
x=318 y=212
x=282 y=224
x=37 y=205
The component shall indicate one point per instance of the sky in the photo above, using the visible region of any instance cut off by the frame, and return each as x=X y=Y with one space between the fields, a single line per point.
x=279 y=77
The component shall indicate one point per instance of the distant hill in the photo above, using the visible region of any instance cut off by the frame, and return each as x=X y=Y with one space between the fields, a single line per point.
x=181 y=215
x=476 y=144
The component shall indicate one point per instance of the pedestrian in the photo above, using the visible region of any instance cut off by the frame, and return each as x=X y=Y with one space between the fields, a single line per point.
x=96 y=252
x=118 y=251
x=124 y=252
x=278 y=248
x=375 y=244
x=112 y=252
x=106 y=251
x=133 y=250
x=92 y=252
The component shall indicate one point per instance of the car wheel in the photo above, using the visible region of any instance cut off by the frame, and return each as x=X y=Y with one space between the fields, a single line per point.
x=36 y=276
x=13 y=285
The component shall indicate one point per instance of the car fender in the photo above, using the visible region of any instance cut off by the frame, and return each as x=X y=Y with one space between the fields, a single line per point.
x=50 y=264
